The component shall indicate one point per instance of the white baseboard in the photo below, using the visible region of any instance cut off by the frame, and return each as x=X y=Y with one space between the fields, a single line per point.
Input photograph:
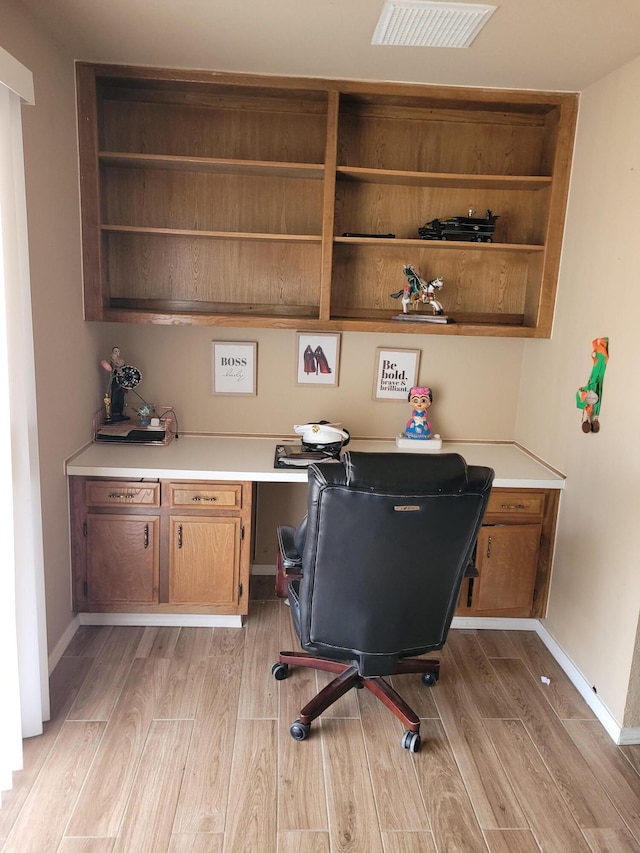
x=178 y=620
x=61 y=646
x=629 y=736
x=604 y=715
x=492 y=623
x=618 y=734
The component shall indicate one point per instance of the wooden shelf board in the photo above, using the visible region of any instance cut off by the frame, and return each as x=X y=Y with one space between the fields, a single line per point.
x=441 y=179
x=232 y=309
x=290 y=317
x=212 y=164
x=475 y=318
x=237 y=321
x=218 y=235
x=472 y=325
x=440 y=244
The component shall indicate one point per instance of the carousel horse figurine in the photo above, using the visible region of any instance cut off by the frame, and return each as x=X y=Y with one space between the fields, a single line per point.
x=418 y=290
x=427 y=295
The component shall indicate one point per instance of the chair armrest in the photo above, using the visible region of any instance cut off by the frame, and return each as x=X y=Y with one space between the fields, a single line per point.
x=289 y=555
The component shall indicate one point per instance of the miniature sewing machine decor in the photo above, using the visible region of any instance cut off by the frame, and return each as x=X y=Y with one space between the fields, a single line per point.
x=121 y=377
x=417 y=433
x=112 y=424
x=417 y=292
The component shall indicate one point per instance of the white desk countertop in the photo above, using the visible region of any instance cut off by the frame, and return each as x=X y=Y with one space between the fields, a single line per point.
x=200 y=457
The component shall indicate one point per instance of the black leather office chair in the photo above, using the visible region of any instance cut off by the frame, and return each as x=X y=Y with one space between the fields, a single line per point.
x=381 y=555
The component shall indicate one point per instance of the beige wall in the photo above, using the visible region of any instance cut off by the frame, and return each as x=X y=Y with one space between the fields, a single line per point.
x=595 y=590
x=475 y=381
x=475 y=384
x=63 y=348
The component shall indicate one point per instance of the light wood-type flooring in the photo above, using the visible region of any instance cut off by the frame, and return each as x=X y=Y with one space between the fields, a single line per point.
x=169 y=739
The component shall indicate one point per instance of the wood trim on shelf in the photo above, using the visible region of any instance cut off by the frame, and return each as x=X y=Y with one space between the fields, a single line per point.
x=328 y=204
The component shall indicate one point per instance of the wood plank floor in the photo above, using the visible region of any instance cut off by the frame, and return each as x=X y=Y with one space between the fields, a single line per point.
x=177 y=740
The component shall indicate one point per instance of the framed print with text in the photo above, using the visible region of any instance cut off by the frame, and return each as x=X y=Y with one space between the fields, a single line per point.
x=317 y=358
x=396 y=371
x=234 y=366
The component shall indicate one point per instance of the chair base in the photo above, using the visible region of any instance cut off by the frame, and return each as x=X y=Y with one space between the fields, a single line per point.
x=348 y=677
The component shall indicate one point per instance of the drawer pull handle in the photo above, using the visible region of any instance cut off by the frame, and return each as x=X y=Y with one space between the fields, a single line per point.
x=489 y=548
x=201 y=498
x=179 y=536
x=146 y=536
x=513 y=506
x=121 y=496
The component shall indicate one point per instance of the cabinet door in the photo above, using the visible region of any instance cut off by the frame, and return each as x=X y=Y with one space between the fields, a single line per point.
x=507 y=560
x=122 y=559
x=204 y=561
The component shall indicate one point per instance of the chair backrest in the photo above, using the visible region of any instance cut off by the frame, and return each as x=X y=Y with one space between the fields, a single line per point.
x=388 y=539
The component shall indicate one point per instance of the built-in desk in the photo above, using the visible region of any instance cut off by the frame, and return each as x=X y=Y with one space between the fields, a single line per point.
x=199 y=457
x=164 y=532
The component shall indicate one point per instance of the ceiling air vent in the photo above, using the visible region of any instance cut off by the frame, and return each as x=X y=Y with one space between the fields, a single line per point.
x=421 y=23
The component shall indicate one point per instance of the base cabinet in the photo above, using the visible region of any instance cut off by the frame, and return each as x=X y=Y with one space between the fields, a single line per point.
x=507 y=562
x=513 y=555
x=184 y=547
x=122 y=559
x=204 y=560
x=189 y=554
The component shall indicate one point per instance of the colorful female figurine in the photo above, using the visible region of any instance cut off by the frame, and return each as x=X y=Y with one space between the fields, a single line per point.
x=589 y=397
x=418 y=426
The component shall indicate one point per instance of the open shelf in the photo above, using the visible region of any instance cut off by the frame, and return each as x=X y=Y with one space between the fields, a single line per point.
x=221 y=199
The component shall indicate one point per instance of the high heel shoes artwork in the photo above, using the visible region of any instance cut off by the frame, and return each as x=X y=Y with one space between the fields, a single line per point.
x=315 y=360
x=318 y=361
x=309 y=361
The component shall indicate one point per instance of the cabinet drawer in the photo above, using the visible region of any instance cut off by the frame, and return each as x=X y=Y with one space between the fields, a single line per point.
x=206 y=495
x=516 y=504
x=118 y=493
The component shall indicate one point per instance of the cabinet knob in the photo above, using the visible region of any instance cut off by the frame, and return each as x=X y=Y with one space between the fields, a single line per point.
x=120 y=496
x=512 y=506
x=488 y=547
x=202 y=498
x=146 y=536
x=179 y=536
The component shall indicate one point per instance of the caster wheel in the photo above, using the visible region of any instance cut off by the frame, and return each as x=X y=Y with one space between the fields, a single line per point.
x=299 y=731
x=411 y=741
x=280 y=671
x=429 y=679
